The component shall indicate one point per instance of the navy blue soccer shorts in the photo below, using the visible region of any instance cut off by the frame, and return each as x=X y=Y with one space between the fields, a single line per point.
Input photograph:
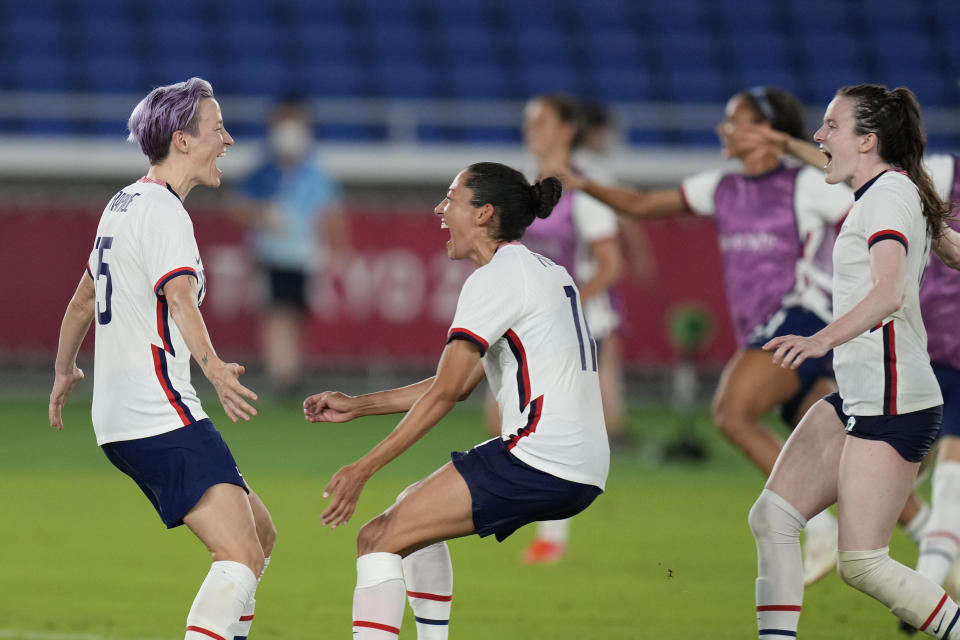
x=507 y=493
x=949 y=379
x=911 y=434
x=799 y=322
x=175 y=468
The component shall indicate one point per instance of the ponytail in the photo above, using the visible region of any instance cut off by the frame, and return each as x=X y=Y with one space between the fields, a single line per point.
x=894 y=117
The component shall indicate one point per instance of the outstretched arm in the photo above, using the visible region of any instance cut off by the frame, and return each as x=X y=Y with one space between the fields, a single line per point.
x=457 y=366
x=181 y=293
x=334 y=406
x=76 y=323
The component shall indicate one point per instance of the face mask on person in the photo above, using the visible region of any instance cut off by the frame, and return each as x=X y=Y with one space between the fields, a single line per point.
x=290 y=139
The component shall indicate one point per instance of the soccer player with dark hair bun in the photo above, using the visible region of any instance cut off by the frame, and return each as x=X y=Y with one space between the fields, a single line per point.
x=143 y=285
x=518 y=322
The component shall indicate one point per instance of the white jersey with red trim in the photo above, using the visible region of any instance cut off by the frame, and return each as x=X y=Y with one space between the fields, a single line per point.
x=141 y=365
x=885 y=371
x=540 y=360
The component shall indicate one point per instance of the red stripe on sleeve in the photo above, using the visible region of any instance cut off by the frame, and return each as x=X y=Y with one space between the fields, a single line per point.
x=779 y=607
x=893 y=370
x=891 y=235
x=180 y=271
x=467 y=332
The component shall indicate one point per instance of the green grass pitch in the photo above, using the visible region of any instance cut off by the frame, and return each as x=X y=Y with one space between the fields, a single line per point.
x=664 y=553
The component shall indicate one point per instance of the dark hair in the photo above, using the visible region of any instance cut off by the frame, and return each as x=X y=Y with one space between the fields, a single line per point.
x=778 y=107
x=569 y=110
x=515 y=201
x=165 y=110
x=894 y=117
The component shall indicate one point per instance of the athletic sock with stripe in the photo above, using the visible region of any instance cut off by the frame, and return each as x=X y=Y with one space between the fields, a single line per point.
x=378 y=598
x=429 y=577
x=220 y=601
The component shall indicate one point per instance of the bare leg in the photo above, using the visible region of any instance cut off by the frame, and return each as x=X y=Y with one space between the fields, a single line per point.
x=610 y=363
x=281 y=344
x=750 y=386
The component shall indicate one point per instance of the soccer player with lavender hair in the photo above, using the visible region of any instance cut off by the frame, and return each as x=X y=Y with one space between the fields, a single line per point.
x=143 y=285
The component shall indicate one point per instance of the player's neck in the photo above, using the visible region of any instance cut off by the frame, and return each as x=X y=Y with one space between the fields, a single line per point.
x=177 y=180
x=553 y=160
x=759 y=162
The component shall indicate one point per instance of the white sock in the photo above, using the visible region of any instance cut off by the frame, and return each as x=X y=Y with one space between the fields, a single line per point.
x=910 y=596
x=378 y=598
x=824 y=523
x=220 y=601
x=918 y=524
x=557 y=531
x=241 y=629
x=938 y=547
x=429 y=577
x=776 y=528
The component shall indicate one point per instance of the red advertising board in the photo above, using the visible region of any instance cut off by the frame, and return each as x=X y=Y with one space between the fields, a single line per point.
x=390 y=302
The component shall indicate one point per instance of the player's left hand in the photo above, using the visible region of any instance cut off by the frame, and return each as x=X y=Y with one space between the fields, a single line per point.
x=345 y=486
x=789 y=352
x=63 y=385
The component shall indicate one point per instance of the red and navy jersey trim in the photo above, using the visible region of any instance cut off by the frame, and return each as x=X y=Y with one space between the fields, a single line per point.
x=533 y=419
x=889 y=370
x=523 y=372
x=459 y=333
x=206 y=632
x=163 y=325
x=89 y=272
x=888 y=234
x=173 y=396
x=170 y=275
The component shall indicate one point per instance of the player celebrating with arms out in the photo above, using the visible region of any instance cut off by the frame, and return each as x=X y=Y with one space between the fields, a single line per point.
x=145 y=271
x=519 y=322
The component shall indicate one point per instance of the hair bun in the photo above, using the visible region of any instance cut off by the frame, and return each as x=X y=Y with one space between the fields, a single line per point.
x=546 y=193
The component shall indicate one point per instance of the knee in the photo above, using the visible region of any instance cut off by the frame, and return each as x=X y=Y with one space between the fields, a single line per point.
x=249 y=555
x=773 y=517
x=371 y=535
x=864 y=570
x=728 y=418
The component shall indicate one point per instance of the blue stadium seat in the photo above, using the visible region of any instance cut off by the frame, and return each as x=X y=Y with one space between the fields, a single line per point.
x=462 y=13
x=397 y=43
x=28 y=36
x=824 y=15
x=39 y=72
x=178 y=38
x=327 y=43
x=699 y=84
x=891 y=17
x=112 y=73
x=548 y=77
x=340 y=79
x=405 y=80
x=610 y=46
x=246 y=39
x=621 y=84
x=100 y=35
x=603 y=13
x=539 y=44
x=471 y=44
x=686 y=49
x=474 y=79
x=39 y=10
x=824 y=81
x=257 y=76
x=825 y=49
x=753 y=15
x=676 y=15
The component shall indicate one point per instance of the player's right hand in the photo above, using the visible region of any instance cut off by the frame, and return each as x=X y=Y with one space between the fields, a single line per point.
x=63 y=385
x=233 y=395
x=329 y=406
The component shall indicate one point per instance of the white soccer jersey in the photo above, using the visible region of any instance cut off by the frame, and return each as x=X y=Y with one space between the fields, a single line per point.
x=142 y=365
x=540 y=361
x=885 y=371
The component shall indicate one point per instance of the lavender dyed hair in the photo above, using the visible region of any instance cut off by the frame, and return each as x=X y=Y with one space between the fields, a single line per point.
x=165 y=110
